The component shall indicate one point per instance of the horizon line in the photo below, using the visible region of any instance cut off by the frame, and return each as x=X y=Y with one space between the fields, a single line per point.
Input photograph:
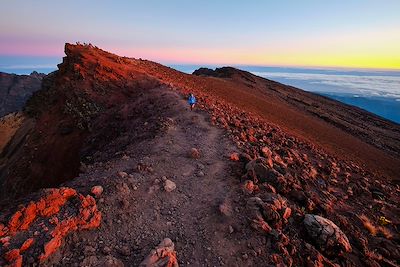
x=311 y=67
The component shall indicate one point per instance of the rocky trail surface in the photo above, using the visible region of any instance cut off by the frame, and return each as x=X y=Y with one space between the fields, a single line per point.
x=179 y=185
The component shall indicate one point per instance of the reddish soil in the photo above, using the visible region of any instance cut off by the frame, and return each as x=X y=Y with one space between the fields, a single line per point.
x=122 y=124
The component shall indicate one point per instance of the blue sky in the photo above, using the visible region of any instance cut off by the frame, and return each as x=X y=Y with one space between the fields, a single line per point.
x=337 y=33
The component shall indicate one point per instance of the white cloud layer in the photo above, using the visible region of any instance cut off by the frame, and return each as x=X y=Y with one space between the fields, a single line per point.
x=385 y=86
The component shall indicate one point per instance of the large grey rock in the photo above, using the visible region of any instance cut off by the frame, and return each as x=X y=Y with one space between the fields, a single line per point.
x=326 y=234
x=263 y=172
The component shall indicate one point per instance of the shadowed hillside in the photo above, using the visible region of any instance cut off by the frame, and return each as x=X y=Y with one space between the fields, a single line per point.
x=16 y=89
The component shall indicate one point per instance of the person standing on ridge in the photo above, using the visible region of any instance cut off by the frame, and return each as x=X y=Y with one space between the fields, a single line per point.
x=192 y=101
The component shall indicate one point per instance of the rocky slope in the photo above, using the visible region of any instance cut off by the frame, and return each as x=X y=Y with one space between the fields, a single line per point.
x=359 y=123
x=247 y=179
x=16 y=89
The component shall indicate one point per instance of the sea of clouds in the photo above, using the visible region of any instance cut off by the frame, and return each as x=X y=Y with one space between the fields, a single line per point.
x=359 y=85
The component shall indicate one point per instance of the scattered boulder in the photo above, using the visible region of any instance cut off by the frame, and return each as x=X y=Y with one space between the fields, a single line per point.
x=326 y=235
x=169 y=185
x=163 y=255
x=97 y=190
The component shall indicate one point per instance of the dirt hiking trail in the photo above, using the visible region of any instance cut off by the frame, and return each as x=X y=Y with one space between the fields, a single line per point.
x=202 y=215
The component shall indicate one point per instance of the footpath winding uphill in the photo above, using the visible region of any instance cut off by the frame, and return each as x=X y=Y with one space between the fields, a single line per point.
x=140 y=180
x=180 y=185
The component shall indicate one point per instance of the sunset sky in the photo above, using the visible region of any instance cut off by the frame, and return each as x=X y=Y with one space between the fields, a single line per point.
x=354 y=33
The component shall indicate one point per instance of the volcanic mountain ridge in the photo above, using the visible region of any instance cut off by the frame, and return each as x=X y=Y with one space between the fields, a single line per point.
x=259 y=174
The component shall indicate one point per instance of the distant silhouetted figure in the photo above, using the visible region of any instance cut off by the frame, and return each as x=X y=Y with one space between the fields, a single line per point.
x=192 y=101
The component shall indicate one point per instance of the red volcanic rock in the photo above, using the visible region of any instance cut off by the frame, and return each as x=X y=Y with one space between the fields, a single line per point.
x=45 y=207
x=234 y=156
x=27 y=244
x=252 y=139
x=97 y=190
x=38 y=212
x=266 y=152
x=250 y=187
x=163 y=255
x=287 y=213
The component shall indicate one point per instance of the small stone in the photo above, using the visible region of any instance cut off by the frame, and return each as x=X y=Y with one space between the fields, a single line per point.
x=200 y=166
x=225 y=209
x=249 y=186
x=122 y=174
x=194 y=153
x=266 y=152
x=97 y=190
x=230 y=229
x=200 y=174
x=169 y=185
x=234 y=156
x=164 y=178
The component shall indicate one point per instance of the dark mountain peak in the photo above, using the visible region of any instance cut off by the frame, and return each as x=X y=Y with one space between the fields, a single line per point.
x=37 y=75
x=228 y=73
x=223 y=72
x=15 y=90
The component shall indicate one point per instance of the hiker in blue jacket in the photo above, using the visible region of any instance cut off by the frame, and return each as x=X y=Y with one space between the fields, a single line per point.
x=192 y=101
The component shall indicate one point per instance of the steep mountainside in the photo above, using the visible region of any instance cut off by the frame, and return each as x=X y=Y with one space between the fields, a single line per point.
x=16 y=89
x=251 y=177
